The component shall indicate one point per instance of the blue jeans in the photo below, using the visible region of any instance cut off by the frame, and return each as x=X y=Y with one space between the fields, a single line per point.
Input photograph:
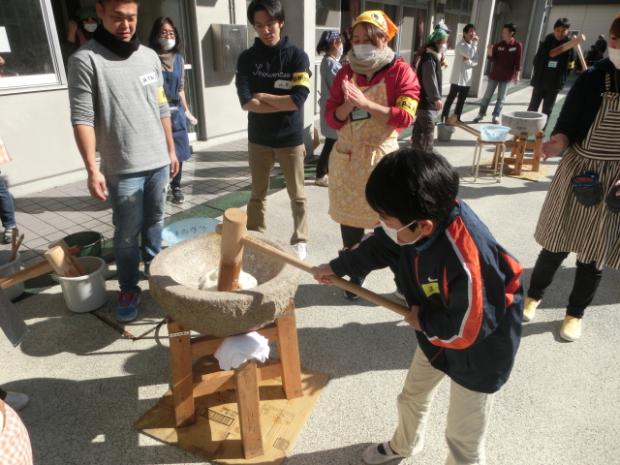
x=501 y=96
x=138 y=202
x=7 y=208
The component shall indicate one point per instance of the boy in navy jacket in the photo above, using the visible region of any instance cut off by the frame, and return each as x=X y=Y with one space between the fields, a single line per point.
x=465 y=295
x=273 y=82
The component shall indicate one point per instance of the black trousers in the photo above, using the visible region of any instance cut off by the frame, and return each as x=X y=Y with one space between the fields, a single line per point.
x=547 y=97
x=455 y=90
x=323 y=163
x=587 y=279
x=175 y=183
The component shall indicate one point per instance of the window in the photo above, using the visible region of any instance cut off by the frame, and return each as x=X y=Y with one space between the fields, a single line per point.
x=457 y=13
x=28 y=57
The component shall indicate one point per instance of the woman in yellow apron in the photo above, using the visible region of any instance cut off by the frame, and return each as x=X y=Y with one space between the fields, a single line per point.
x=372 y=99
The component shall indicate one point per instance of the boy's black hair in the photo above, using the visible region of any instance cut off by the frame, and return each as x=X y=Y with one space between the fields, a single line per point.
x=272 y=7
x=511 y=27
x=468 y=27
x=562 y=22
x=413 y=185
x=154 y=35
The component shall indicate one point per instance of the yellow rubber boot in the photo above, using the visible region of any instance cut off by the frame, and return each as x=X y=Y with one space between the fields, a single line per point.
x=529 y=309
x=571 y=328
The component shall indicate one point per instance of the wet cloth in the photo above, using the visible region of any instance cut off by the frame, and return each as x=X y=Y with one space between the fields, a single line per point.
x=236 y=350
x=566 y=225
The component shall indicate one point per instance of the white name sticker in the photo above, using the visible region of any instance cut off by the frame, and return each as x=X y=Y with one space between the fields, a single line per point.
x=150 y=78
x=553 y=64
x=283 y=84
x=512 y=49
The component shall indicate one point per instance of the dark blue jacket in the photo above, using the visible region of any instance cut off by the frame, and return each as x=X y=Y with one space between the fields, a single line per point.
x=469 y=292
x=281 y=70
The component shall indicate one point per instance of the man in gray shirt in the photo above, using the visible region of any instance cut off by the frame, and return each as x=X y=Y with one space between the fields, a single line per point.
x=118 y=104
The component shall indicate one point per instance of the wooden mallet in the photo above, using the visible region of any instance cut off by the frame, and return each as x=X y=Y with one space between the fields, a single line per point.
x=574 y=42
x=234 y=238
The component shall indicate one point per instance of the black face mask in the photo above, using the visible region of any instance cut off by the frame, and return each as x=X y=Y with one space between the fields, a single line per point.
x=114 y=44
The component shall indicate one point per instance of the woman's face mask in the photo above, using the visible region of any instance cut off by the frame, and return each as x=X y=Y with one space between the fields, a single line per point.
x=90 y=26
x=166 y=43
x=614 y=56
x=392 y=233
x=364 y=51
x=339 y=52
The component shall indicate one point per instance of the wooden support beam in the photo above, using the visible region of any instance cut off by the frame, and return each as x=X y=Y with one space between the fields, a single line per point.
x=249 y=409
x=182 y=375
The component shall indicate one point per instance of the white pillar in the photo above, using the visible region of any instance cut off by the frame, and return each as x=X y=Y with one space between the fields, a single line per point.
x=299 y=26
x=482 y=18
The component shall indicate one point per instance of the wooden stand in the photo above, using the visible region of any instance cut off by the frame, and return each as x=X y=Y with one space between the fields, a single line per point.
x=498 y=158
x=186 y=385
x=519 y=145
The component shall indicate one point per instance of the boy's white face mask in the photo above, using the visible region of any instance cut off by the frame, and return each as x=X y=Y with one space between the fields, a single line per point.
x=614 y=56
x=392 y=233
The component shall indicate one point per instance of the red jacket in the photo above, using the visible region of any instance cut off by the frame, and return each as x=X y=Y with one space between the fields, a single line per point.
x=506 y=60
x=403 y=93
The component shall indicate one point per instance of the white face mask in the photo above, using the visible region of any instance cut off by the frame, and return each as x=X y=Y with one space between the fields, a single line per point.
x=364 y=51
x=167 y=44
x=392 y=233
x=444 y=49
x=614 y=56
x=339 y=53
x=90 y=27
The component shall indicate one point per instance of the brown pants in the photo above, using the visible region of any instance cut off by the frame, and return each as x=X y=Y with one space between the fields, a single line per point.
x=291 y=160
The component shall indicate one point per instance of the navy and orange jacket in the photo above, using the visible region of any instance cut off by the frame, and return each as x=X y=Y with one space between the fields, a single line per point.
x=469 y=292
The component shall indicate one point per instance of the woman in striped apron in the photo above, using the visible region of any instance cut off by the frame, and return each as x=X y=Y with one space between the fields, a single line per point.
x=581 y=213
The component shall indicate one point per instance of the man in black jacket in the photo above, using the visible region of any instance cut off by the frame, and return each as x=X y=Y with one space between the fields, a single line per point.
x=273 y=82
x=550 y=73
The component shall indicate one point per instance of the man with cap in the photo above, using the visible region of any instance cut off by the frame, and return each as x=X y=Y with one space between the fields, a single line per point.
x=430 y=76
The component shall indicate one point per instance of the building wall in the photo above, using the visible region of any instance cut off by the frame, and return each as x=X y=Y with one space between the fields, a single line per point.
x=223 y=113
x=590 y=20
x=36 y=130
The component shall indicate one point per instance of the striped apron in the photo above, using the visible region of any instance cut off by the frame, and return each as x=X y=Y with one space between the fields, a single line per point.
x=565 y=225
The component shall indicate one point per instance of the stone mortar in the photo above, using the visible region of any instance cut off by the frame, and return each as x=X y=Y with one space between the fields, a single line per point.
x=174 y=275
x=519 y=122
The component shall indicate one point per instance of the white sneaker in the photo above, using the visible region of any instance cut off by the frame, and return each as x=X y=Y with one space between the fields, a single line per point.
x=379 y=453
x=323 y=182
x=301 y=249
x=16 y=400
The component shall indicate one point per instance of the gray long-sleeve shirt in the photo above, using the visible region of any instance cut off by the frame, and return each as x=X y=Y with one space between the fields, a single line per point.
x=124 y=100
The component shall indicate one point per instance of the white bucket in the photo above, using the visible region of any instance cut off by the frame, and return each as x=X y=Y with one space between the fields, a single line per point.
x=85 y=293
x=8 y=268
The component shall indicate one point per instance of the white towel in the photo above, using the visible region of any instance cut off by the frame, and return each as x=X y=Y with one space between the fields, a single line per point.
x=236 y=350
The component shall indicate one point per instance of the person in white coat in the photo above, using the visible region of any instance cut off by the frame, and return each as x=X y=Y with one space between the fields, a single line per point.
x=465 y=59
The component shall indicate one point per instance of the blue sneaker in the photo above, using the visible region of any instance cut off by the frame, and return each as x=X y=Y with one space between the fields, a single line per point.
x=127 y=309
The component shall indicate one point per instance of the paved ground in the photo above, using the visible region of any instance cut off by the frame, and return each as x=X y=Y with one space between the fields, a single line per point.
x=88 y=384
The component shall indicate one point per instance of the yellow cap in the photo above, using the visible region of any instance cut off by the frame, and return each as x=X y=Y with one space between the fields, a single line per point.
x=379 y=19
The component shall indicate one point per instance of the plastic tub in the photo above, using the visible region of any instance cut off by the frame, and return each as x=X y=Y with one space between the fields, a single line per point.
x=188 y=229
x=85 y=293
x=494 y=133
x=88 y=241
x=8 y=268
x=444 y=132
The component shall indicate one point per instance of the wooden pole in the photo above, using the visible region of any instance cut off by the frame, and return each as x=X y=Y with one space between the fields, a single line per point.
x=453 y=120
x=233 y=230
x=574 y=42
x=335 y=280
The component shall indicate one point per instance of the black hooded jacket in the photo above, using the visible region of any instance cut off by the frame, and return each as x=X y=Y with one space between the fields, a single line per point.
x=280 y=70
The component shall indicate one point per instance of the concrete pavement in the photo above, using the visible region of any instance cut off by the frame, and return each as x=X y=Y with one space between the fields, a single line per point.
x=88 y=384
